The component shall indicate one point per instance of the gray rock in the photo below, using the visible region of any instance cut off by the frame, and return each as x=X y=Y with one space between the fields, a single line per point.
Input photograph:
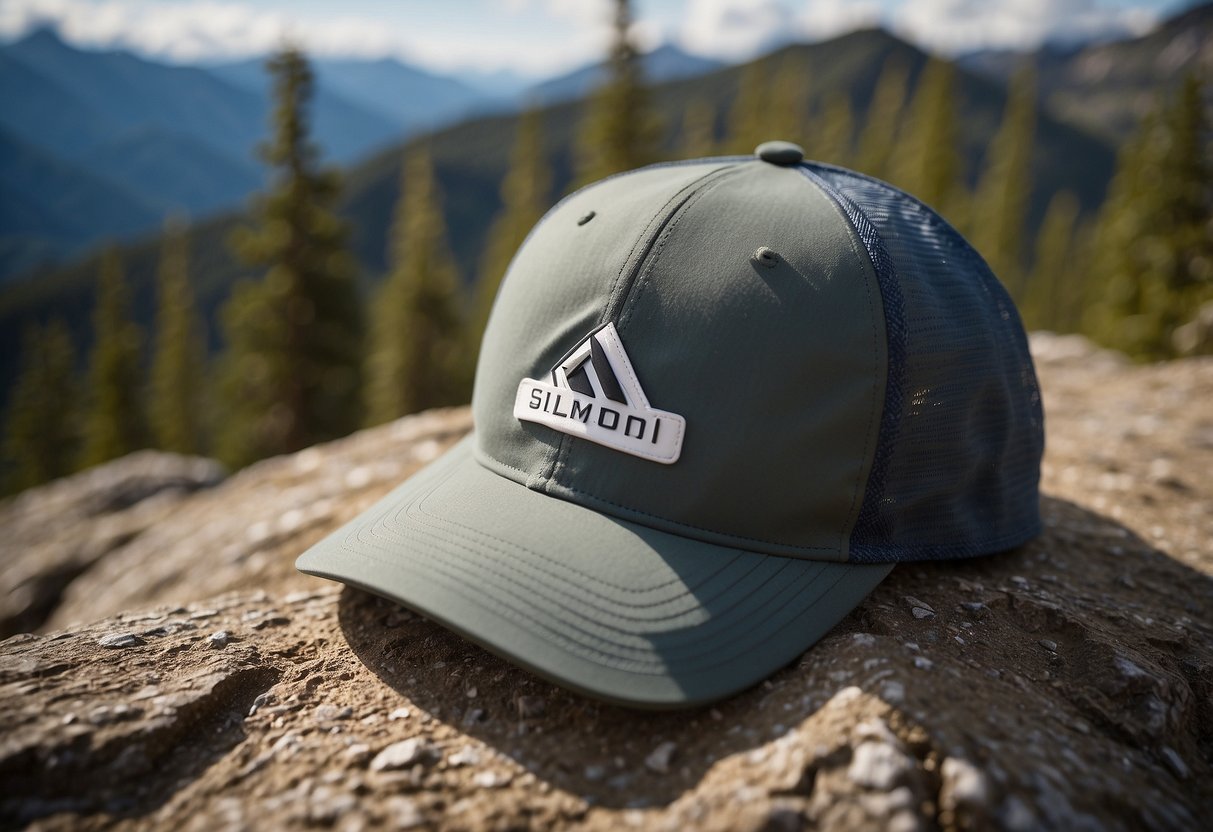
x=402 y=755
x=660 y=757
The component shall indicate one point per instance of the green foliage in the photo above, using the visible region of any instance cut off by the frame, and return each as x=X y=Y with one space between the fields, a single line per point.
x=292 y=372
x=1000 y=203
x=178 y=358
x=525 y=196
x=115 y=424
x=1054 y=294
x=697 y=138
x=621 y=129
x=417 y=358
x=41 y=432
x=1154 y=240
x=885 y=113
x=926 y=161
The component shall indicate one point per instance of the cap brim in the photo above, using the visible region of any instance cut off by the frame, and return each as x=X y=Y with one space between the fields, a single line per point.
x=607 y=607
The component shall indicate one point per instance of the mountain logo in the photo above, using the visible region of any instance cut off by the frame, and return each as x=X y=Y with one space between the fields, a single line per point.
x=594 y=394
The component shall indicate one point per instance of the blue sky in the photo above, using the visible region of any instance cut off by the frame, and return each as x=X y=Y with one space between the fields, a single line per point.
x=541 y=37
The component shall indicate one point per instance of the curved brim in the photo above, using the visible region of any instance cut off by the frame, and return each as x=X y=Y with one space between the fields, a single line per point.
x=610 y=608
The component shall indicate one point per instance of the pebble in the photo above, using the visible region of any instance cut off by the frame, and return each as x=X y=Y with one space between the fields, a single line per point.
x=878 y=765
x=1049 y=645
x=893 y=692
x=921 y=613
x=660 y=757
x=405 y=813
x=923 y=663
x=490 y=779
x=261 y=701
x=219 y=639
x=473 y=716
x=530 y=707
x=914 y=602
x=1175 y=762
x=963 y=784
x=358 y=753
x=466 y=756
x=328 y=713
x=401 y=755
x=399 y=713
x=594 y=773
x=115 y=641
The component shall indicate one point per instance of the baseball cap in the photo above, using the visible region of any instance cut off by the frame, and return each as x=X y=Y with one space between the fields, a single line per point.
x=716 y=402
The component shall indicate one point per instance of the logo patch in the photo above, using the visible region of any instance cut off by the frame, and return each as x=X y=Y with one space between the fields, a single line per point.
x=594 y=394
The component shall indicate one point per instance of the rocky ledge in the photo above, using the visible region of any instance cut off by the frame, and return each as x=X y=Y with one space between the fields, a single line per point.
x=1067 y=684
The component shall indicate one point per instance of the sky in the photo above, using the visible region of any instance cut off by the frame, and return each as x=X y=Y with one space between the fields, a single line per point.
x=545 y=37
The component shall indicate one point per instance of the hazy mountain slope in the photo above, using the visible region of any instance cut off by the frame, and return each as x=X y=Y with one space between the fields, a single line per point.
x=48 y=205
x=1108 y=87
x=39 y=111
x=184 y=174
x=411 y=98
x=171 y=137
x=133 y=92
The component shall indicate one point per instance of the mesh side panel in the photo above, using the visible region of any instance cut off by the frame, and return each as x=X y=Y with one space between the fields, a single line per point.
x=957 y=465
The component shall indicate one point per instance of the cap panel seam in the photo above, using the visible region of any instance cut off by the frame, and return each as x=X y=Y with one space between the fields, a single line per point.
x=689 y=193
x=864 y=257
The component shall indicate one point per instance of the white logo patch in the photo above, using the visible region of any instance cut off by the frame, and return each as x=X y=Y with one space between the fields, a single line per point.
x=594 y=394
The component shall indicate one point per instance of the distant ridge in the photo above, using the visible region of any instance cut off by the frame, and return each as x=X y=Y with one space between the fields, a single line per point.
x=471 y=158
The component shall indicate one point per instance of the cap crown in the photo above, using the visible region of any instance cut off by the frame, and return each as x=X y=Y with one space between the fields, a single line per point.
x=759 y=304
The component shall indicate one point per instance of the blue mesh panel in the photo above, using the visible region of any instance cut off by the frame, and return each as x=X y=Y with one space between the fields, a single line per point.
x=957 y=465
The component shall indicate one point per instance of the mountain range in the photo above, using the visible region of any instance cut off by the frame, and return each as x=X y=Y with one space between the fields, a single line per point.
x=471 y=157
x=1108 y=87
x=136 y=140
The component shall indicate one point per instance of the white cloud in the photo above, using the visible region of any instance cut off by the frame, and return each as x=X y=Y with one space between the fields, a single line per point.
x=736 y=29
x=194 y=30
x=823 y=19
x=548 y=36
x=951 y=26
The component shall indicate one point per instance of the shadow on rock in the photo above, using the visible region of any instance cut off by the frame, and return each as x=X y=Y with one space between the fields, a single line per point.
x=1074 y=675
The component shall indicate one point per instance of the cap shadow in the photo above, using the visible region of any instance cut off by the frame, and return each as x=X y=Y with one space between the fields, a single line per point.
x=1084 y=586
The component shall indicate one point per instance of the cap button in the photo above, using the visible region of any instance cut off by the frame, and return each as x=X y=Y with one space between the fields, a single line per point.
x=779 y=153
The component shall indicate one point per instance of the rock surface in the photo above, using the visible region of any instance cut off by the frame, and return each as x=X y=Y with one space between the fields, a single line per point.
x=1065 y=685
x=56 y=533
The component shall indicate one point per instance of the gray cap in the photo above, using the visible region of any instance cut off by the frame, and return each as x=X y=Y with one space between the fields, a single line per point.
x=709 y=421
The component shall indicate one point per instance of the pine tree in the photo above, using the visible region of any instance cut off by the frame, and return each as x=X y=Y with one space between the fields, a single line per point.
x=834 y=141
x=1154 y=247
x=40 y=432
x=747 y=127
x=1000 y=204
x=416 y=360
x=115 y=424
x=698 y=135
x=1054 y=289
x=925 y=162
x=525 y=194
x=291 y=375
x=620 y=130
x=883 y=122
x=178 y=359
